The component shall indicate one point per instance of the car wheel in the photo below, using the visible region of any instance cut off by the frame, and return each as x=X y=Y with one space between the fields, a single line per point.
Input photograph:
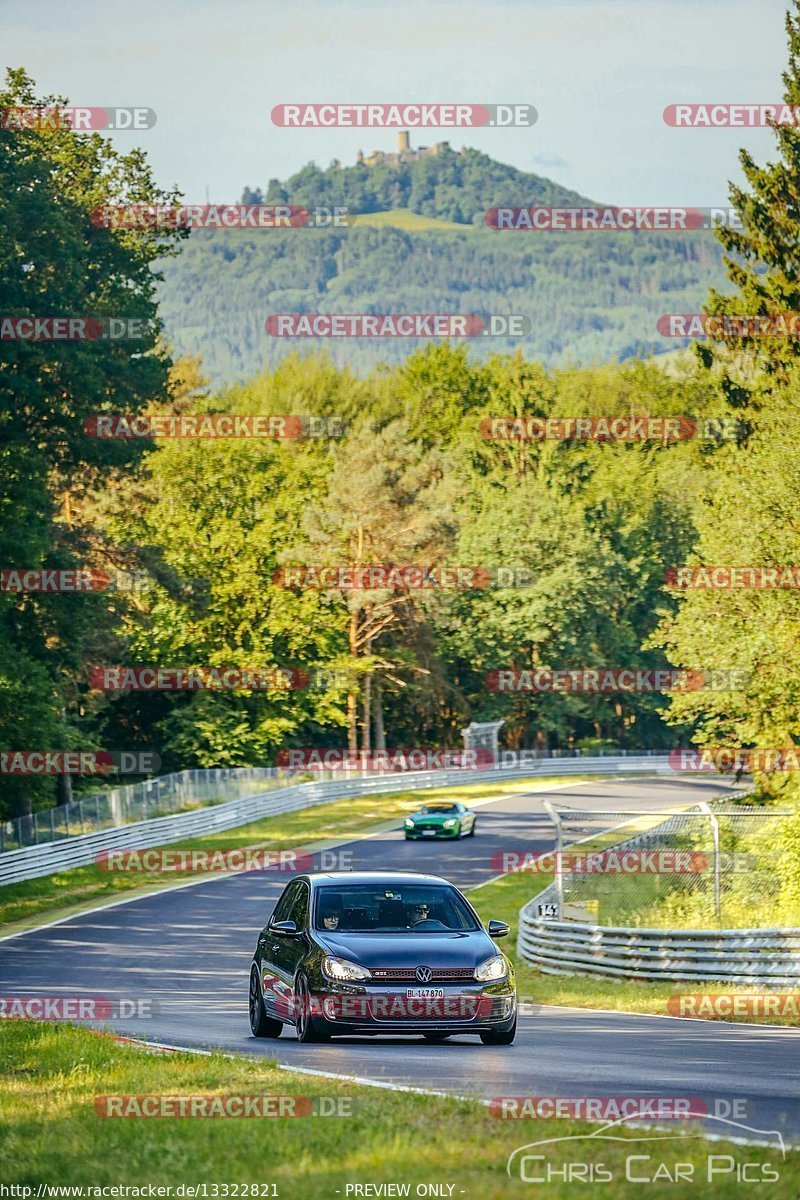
x=307 y=1027
x=495 y=1037
x=436 y=1037
x=260 y=1024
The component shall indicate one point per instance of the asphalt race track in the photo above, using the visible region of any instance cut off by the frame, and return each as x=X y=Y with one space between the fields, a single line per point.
x=189 y=950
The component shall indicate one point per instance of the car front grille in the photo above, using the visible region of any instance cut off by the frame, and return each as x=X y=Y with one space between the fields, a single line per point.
x=407 y=974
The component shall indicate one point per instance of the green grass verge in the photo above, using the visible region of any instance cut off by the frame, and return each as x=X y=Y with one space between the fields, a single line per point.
x=51 y=1132
x=759 y=876
x=503 y=898
x=22 y=905
x=404 y=218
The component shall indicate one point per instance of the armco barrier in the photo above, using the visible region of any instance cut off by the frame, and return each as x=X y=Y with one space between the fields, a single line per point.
x=32 y=862
x=755 y=957
x=766 y=957
x=149 y=798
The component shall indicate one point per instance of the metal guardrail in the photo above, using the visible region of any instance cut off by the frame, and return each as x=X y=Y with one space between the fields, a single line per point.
x=194 y=788
x=32 y=862
x=747 y=956
x=756 y=957
x=138 y=802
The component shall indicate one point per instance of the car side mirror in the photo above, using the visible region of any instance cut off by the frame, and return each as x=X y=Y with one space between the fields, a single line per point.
x=288 y=929
x=497 y=929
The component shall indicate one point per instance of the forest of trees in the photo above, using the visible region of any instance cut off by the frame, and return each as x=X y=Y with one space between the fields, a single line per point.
x=454 y=186
x=591 y=298
x=412 y=479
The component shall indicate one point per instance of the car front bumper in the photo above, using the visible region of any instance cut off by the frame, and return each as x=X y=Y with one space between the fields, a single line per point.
x=432 y=834
x=385 y=1009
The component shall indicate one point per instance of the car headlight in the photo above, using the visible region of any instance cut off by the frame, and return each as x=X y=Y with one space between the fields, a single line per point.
x=409 y=824
x=341 y=969
x=492 y=968
x=449 y=824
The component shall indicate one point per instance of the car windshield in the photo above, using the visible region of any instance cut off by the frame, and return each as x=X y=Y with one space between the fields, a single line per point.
x=392 y=908
x=439 y=808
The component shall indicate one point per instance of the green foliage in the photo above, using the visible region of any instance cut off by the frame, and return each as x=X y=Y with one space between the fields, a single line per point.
x=413 y=481
x=747 y=513
x=762 y=260
x=55 y=262
x=590 y=297
x=456 y=187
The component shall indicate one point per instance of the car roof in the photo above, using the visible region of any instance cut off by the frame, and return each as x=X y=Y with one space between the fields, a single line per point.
x=329 y=878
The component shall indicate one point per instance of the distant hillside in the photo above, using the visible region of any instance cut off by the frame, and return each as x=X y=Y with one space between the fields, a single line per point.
x=455 y=186
x=590 y=296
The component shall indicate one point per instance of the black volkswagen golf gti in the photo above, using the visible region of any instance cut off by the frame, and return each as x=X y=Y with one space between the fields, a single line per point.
x=380 y=952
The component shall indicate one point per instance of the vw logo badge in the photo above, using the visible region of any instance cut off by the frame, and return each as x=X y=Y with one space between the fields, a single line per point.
x=424 y=974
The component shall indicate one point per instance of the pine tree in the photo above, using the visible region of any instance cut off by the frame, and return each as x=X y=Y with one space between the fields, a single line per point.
x=762 y=256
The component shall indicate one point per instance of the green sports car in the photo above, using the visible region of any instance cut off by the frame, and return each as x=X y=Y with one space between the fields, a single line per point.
x=440 y=819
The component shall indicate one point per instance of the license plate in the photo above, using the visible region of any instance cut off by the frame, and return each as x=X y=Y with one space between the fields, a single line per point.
x=425 y=993
x=429 y=833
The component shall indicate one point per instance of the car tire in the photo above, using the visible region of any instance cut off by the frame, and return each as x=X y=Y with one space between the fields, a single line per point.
x=496 y=1037
x=436 y=1037
x=307 y=1027
x=472 y=831
x=261 y=1025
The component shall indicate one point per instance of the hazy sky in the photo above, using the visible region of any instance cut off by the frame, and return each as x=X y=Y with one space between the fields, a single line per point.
x=600 y=73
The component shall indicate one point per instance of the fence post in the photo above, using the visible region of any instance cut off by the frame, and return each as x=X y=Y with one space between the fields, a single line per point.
x=556 y=819
x=706 y=807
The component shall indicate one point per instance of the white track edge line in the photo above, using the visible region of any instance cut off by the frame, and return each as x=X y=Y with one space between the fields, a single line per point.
x=387 y=1085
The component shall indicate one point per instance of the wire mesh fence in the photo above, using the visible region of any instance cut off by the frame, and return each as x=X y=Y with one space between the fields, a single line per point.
x=713 y=865
x=157 y=797
x=195 y=788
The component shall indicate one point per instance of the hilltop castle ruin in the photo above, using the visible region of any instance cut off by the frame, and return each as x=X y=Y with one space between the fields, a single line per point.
x=404 y=153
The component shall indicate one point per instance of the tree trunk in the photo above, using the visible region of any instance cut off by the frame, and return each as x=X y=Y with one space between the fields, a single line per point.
x=366 y=716
x=366 y=705
x=63 y=789
x=352 y=693
x=23 y=807
x=380 y=733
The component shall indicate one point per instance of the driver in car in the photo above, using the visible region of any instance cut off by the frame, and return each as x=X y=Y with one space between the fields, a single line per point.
x=330 y=919
x=419 y=912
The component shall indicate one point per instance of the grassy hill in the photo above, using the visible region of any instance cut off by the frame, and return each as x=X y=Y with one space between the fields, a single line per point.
x=403 y=218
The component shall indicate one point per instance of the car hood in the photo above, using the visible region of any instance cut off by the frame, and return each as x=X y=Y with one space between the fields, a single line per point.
x=449 y=949
x=434 y=818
